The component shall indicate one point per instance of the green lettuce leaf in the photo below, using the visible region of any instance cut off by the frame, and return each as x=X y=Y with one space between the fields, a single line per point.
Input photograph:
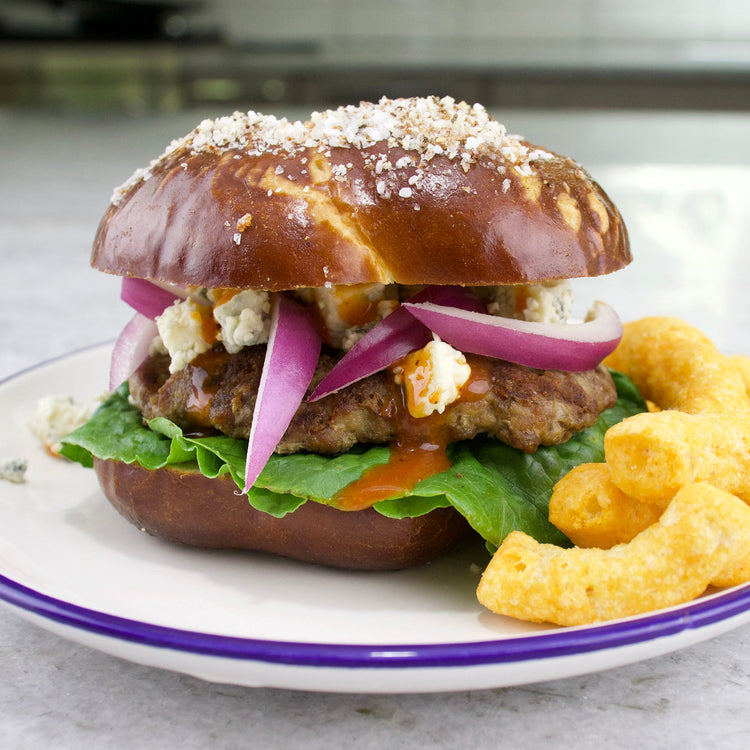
x=495 y=487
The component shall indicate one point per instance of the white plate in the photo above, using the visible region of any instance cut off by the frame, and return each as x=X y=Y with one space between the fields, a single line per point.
x=69 y=563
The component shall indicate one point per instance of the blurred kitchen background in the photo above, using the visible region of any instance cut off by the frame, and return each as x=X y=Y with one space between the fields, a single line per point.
x=651 y=96
x=168 y=55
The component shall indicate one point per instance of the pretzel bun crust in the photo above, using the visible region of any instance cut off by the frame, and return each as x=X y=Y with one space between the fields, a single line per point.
x=406 y=191
x=409 y=191
x=188 y=508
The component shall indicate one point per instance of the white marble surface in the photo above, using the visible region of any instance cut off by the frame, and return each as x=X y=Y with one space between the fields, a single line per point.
x=683 y=183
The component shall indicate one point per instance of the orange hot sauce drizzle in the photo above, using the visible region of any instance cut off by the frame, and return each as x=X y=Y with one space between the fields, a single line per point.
x=358 y=311
x=223 y=295
x=407 y=465
x=209 y=326
x=205 y=366
x=203 y=384
x=418 y=452
x=354 y=307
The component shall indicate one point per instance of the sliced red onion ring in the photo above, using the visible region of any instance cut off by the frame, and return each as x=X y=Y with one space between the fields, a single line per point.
x=546 y=346
x=147 y=298
x=131 y=348
x=291 y=357
x=391 y=339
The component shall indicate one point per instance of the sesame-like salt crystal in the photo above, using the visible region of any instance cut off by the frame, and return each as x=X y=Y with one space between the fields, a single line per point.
x=338 y=171
x=244 y=222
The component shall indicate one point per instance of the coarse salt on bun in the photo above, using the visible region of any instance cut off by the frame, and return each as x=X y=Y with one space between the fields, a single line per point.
x=408 y=191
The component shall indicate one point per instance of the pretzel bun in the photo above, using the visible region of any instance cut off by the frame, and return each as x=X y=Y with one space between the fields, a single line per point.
x=408 y=191
x=188 y=508
x=411 y=191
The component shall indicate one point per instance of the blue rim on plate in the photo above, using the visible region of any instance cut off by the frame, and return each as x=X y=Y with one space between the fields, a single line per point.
x=556 y=643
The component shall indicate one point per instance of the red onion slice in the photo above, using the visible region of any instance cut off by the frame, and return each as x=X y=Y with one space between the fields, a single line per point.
x=391 y=339
x=546 y=346
x=147 y=298
x=131 y=348
x=291 y=357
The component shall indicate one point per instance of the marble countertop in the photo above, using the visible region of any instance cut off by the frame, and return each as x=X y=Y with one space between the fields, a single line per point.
x=681 y=182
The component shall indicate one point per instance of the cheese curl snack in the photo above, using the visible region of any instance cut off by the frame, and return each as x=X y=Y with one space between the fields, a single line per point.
x=742 y=363
x=592 y=511
x=676 y=366
x=651 y=456
x=703 y=536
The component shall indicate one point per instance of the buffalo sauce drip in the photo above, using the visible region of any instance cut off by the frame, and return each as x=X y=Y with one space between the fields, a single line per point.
x=204 y=366
x=357 y=310
x=352 y=306
x=204 y=378
x=419 y=450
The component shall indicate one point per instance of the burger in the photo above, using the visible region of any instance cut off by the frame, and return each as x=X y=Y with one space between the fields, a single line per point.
x=352 y=342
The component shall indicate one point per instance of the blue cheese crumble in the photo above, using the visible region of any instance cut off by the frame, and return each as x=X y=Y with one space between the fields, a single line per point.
x=182 y=330
x=244 y=319
x=55 y=417
x=432 y=377
x=13 y=469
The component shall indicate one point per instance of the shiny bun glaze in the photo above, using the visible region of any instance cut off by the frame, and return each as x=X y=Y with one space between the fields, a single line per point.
x=411 y=191
x=188 y=508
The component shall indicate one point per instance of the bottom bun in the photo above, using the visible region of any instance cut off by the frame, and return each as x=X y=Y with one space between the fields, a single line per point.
x=188 y=508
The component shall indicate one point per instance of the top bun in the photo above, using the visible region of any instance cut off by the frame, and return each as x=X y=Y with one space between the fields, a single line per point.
x=408 y=191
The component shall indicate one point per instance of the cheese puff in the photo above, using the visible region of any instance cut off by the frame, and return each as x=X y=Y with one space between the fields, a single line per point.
x=742 y=363
x=704 y=533
x=733 y=575
x=592 y=512
x=651 y=456
x=678 y=367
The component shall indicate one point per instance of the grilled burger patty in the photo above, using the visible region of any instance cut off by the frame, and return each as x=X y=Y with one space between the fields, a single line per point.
x=522 y=407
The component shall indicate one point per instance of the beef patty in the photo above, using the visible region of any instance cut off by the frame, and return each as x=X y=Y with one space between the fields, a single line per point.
x=524 y=408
